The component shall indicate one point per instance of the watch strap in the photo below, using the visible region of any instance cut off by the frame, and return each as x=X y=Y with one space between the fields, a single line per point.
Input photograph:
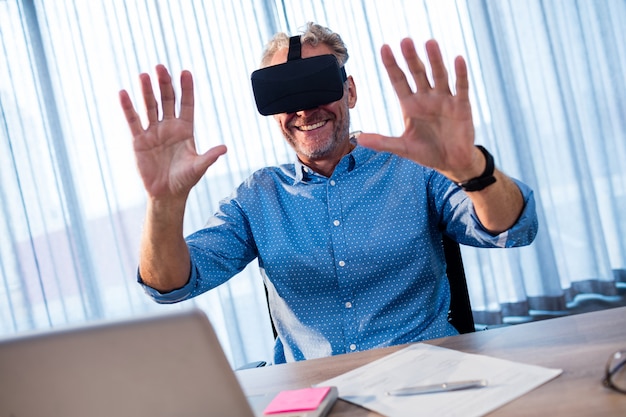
x=483 y=180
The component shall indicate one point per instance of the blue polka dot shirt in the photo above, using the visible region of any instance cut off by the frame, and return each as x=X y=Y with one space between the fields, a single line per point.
x=351 y=262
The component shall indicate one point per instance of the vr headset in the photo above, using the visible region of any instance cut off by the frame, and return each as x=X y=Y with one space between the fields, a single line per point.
x=298 y=84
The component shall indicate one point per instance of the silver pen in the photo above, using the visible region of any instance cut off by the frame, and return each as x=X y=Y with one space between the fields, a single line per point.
x=443 y=387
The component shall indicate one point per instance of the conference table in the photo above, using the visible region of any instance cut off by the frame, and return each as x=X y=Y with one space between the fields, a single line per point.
x=579 y=344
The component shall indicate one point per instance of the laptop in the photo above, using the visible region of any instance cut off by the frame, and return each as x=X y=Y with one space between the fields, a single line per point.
x=159 y=365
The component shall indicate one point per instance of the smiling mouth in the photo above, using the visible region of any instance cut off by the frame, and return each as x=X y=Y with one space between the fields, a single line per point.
x=307 y=128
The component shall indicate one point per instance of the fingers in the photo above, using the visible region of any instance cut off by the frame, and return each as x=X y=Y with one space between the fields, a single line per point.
x=132 y=118
x=396 y=75
x=168 y=99
x=416 y=66
x=152 y=107
x=418 y=69
x=187 y=97
x=208 y=158
x=440 y=74
x=462 y=82
x=382 y=143
x=215 y=152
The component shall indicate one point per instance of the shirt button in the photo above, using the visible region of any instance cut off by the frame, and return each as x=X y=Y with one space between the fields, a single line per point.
x=348 y=304
x=353 y=347
x=332 y=182
x=342 y=263
x=336 y=222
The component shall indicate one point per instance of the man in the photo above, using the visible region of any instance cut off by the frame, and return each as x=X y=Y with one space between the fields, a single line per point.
x=348 y=237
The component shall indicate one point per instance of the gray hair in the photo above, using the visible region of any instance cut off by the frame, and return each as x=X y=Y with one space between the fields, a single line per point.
x=313 y=35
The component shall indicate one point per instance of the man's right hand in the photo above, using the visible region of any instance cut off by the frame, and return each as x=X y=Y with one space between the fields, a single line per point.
x=169 y=167
x=165 y=150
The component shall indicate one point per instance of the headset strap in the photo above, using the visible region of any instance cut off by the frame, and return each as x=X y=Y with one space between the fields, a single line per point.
x=295 y=48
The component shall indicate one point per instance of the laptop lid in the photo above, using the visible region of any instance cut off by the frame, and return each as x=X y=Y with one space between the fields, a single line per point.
x=159 y=365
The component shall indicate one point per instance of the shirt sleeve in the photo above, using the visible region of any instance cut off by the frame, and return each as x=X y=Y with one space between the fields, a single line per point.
x=462 y=224
x=218 y=251
x=524 y=230
x=170 y=297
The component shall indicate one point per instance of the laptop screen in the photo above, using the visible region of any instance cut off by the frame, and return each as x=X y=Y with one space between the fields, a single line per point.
x=159 y=365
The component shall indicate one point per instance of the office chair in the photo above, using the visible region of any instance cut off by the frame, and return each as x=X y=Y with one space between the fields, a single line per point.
x=460 y=312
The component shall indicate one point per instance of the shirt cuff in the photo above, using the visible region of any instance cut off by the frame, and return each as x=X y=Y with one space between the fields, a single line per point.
x=173 y=296
x=524 y=230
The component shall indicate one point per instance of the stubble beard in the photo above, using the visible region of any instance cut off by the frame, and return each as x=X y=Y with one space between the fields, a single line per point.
x=323 y=148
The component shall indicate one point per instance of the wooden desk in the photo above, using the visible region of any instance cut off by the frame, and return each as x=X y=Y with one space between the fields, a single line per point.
x=580 y=345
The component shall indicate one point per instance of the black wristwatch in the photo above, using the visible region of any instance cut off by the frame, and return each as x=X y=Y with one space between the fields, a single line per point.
x=483 y=180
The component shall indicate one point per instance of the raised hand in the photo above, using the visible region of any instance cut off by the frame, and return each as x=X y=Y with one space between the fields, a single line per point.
x=165 y=150
x=439 y=131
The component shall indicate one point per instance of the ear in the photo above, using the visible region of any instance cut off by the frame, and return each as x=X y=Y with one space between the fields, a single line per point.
x=351 y=92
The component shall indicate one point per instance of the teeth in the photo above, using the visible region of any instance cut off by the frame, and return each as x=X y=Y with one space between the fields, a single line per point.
x=311 y=127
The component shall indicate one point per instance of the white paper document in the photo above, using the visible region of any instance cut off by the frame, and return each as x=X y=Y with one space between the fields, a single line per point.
x=422 y=364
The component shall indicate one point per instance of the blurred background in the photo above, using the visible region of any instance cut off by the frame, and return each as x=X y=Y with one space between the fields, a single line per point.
x=548 y=82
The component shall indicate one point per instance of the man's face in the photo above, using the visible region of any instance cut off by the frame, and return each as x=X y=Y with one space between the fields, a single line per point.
x=323 y=131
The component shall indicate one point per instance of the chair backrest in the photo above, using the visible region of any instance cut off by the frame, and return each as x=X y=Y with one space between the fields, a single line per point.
x=460 y=312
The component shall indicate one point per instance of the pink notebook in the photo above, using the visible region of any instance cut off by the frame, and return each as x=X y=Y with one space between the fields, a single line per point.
x=309 y=402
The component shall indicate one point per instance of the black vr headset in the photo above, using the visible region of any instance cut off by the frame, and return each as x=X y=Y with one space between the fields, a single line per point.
x=298 y=84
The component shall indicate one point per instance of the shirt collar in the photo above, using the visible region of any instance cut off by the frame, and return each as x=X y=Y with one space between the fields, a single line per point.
x=357 y=157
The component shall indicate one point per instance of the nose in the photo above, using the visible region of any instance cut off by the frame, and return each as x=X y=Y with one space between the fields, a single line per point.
x=307 y=112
